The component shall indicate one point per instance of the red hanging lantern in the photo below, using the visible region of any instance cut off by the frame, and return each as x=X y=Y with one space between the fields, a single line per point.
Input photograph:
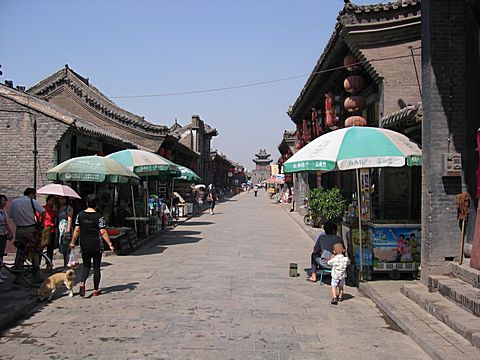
x=351 y=63
x=355 y=121
x=354 y=103
x=354 y=84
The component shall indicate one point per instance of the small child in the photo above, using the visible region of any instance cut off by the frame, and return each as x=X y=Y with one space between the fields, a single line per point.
x=339 y=263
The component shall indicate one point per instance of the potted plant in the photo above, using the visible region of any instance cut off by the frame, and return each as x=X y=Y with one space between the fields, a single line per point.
x=327 y=205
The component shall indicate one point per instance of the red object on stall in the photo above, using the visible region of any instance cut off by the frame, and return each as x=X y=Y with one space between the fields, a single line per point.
x=354 y=103
x=315 y=123
x=113 y=232
x=298 y=137
x=355 y=121
x=306 y=132
x=330 y=118
x=161 y=151
x=168 y=154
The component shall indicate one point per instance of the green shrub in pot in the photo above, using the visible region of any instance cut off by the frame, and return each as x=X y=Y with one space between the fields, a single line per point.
x=327 y=204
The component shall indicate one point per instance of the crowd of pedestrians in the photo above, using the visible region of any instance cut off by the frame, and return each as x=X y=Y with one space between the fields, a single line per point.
x=30 y=217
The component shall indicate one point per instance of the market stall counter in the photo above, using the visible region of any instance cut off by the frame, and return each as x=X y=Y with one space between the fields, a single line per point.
x=391 y=247
x=124 y=239
x=395 y=246
x=142 y=224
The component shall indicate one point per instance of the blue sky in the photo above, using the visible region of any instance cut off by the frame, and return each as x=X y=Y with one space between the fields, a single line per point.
x=139 y=47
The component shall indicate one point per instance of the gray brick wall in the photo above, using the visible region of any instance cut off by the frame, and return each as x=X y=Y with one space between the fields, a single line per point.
x=444 y=75
x=16 y=146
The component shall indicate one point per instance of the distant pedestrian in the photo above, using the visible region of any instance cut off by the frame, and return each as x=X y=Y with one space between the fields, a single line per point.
x=339 y=263
x=26 y=212
x=212 y=197
x=90 y=227
x=5 y=233
x=255 y=189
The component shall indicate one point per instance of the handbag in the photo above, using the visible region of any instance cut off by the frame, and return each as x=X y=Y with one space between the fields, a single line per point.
x=72 y=261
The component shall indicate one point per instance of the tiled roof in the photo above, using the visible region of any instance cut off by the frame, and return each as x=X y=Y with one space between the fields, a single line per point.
x=94 y=98
x=408 y=116
x=381 y=6
x=347 y=16
x=53 y=111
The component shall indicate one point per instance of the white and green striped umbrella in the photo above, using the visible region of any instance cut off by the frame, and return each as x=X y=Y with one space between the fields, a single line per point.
x=355 y=148
x=145 y=163
x=97 y=169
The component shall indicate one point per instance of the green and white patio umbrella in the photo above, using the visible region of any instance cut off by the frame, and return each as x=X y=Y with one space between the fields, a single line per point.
x=356 y=148
x=145 y=163
x=97 y=169
x=187 y=175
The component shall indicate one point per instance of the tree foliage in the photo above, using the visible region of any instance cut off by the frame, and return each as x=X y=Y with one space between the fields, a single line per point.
x=329 y=204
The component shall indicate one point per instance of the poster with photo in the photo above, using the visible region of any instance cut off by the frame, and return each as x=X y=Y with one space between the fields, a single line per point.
x=392 y=243
x=365 y=211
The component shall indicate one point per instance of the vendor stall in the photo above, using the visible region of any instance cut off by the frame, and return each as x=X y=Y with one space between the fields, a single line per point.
x=361 y=148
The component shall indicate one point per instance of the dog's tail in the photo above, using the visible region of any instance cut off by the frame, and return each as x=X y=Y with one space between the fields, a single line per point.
x=70 y=273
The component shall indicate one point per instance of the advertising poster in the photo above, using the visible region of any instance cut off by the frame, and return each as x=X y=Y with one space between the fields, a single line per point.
x=395 y=243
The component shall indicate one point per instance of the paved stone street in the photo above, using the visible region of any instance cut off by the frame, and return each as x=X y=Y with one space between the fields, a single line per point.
x=217 y=287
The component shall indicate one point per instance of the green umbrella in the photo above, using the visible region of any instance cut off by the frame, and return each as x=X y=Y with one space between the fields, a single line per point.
x=96 y=169
x=187 y=175
x=145 y=163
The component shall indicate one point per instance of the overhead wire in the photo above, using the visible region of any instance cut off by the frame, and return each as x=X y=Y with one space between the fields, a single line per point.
x=259 y=83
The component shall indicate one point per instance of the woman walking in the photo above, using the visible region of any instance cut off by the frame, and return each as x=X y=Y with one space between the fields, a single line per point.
x=88 y=226
x=50 y=219
x=65 y=226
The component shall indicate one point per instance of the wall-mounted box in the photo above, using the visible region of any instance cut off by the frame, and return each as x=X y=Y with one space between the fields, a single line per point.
x=452 y=164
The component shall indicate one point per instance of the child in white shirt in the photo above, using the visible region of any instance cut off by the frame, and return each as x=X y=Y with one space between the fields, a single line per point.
x=339 y=263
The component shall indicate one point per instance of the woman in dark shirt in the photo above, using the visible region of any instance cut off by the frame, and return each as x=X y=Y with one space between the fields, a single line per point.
x=90 y=227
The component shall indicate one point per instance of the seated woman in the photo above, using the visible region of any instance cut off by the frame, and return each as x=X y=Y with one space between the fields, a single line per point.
x=323 y=249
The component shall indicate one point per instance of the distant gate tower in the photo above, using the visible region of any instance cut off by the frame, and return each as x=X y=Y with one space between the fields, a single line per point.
x=262 y=167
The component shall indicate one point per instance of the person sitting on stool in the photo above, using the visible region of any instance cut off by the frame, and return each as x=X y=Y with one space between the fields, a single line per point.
x=323 y=249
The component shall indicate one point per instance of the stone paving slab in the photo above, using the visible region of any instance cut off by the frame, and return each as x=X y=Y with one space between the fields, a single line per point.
x=217 y=287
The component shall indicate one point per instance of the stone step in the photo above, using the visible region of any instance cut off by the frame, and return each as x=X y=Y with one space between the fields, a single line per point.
x=435 y=337
x=459 y=320
x=458 y=291
x=466 y=273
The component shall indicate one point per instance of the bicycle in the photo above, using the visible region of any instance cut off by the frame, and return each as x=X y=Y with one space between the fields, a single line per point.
x=28 y=269
x=308 y=218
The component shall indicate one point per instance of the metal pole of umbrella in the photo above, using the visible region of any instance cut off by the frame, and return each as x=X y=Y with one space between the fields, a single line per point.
x=359 y=206
x=171 y=197
x=148 y=201
x=133 y=208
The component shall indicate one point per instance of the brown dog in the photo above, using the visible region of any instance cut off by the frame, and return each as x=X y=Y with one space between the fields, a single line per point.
x=55 y=281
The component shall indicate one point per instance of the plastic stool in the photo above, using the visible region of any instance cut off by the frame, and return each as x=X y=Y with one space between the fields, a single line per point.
x=321 y=272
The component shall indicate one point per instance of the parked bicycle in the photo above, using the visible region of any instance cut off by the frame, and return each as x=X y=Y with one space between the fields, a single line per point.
x=28 y=269
x=308 y=218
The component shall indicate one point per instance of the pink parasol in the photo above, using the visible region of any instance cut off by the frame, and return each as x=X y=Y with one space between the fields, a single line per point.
x=57 y=189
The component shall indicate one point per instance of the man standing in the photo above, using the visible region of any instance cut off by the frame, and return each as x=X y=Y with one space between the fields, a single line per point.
x=255 y=189
x=23 y=211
